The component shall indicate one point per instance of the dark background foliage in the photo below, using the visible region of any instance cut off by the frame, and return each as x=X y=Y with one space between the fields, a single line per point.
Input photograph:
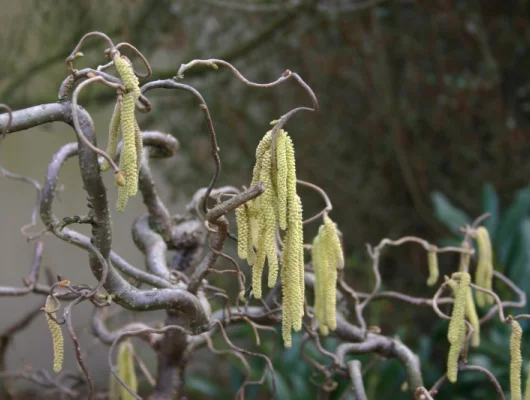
x=415 y=97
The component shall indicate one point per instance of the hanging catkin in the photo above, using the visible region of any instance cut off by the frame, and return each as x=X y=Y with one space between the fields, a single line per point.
x=327 y=257
x=124 y=121
x=126 y=371
x=57 y=335
x=472 y=316
x=456 y=333
x=484 y=272
x=527 y=384
x=434 y=272
x=257 y=223
x=114 y=135
x=516 y=360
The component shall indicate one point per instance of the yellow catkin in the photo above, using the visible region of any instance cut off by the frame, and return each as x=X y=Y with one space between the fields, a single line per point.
x=472 y=316
x=321 y=267
x=57 y=336
x=279 y=206
x=128 y=151
x=131 y=153
x=243 y=233
x=295 y=235
x=516 y=360
x=114 y=135
x=281 y=179
x=267 y=212
x=327 y=258
x=434 y=272
x=257 y=268
x=253 y=227
x=263 y=146
x=126 y=370
x=272 y=257
x=139 y=144
x=319 y=284
x=484 y=272
x=335 y=260
x=130 y=81
x=333 y=241
x=527 y=384
x=288 y=298
x=457 y=329
x=464 y=258
x=121 y=202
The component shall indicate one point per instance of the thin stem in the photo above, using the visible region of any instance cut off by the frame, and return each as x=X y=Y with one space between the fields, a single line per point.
x=75 y=52
x=77 y=126
x=171 y=84
x=324 y=195
x=141 y=56
x=68 y=319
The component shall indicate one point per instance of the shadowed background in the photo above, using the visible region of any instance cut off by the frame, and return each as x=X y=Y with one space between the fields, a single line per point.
x=417 y=99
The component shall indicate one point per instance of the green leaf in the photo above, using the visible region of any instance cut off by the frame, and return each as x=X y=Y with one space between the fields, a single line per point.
x=282 y=389
x=490 y=204
x=509 y=228
x=518 y=268
x=447 y=213
x=195 y=383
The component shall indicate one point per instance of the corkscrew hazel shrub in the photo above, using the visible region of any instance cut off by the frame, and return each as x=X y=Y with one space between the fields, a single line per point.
x=257 y=223
x=57 y=335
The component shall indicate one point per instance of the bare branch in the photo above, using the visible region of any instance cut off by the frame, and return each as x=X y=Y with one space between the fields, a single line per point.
x=354 y=370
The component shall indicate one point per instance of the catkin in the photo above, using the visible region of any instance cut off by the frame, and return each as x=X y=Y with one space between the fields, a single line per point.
x=516 y=360
x=472 y=316
x=129 y=79
x=128 y=151
x=281 y=179
x=434 y=272
x=457 y=329
x=327 y=257
x=527 y=384
x=242 y=231
x=57 y=335
x=484 y=272
x=279 y=206
x=124 y=120
x=126 y=370
x=114 y=135
x=263 y=146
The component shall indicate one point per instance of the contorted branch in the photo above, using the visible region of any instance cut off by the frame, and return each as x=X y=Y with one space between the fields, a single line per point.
x=382 y=345
x=176 y=300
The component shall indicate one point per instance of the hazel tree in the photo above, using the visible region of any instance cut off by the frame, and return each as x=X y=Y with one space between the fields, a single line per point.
x=306 y=289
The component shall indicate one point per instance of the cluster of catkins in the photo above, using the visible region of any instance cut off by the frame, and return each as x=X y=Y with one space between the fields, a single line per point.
x=257 y=221
x=123 y=120
x=327 y=258
x=464 y=305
